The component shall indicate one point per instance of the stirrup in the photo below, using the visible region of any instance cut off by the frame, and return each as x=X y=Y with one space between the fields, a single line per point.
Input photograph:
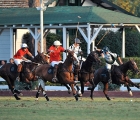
x=55 y=79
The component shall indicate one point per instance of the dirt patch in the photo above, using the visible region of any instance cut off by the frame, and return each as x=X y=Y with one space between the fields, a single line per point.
x=136 y=94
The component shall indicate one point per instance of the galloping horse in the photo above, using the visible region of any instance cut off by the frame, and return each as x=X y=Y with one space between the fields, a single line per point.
x=9 y=73
x=118 y=75
x=64 y=74
x=86 y=72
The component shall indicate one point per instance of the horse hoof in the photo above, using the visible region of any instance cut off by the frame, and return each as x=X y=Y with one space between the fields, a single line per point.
x=76 y=97
x=18 y=98
x=47 y=99
x=79 y=95
x=130 y=92
x=69 y=92
x=21 y=94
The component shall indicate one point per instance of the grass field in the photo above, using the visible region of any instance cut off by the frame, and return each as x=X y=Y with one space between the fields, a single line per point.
x=64 y=108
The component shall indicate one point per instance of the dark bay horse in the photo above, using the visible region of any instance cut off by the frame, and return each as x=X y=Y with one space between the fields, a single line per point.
x=9 y=73
x=87 y=69
x=65 y=74
x=118 y=75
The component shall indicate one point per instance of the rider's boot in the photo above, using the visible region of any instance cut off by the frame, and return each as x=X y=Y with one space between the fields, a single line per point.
x=19 y=70
x=55 y=73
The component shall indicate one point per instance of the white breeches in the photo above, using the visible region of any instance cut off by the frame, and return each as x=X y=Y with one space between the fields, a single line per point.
x=18 y=61
x=83 y=59
x=108 y=66
x=55 y=63
x=77 y=60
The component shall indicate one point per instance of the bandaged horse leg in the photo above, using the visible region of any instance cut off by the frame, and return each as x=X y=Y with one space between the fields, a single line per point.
x=18 y=92
x=78 y=91
x=14 y=93
x=41 y=86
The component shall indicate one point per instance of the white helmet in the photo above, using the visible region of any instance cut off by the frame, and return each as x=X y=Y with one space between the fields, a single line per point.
x=24 y=45
x=57 y=43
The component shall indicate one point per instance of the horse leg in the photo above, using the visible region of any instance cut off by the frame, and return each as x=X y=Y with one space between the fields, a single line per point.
x=41 y=86
x=74 y=91
x=82 y=87
x=66 y=85
x=45 y=95
x=38 y=92
x=129 y=90
x=133 y=84
x=11 y=86
x=93 y=87
x=105 y=91
x=79 y=91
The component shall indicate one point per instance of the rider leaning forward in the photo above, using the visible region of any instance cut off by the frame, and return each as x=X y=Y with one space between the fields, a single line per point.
x=55 y=57
x=110 y=59
x=19 y=57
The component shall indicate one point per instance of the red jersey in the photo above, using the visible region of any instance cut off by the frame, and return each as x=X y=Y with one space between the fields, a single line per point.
x=55 y=55
x=21 y=53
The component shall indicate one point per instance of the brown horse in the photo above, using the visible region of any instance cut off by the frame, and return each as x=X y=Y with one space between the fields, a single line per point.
x=118 y=75
x=9 y=73
x=64 y=74
x=86 y=72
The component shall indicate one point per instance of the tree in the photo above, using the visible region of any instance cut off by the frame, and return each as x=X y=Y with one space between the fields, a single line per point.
x=132 y=6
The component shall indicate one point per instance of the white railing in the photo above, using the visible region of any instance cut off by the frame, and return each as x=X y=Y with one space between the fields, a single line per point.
x=63 y=88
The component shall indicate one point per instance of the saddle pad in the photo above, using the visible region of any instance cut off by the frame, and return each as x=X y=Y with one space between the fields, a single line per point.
x=50 y=70
x=13 y=68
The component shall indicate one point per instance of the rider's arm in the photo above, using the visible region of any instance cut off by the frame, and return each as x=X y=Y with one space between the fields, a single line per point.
x=30 y=54
x=23 y=58
x=120 y=60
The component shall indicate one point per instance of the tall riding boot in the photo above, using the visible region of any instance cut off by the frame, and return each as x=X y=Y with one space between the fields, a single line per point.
x=19 y=70
x=76 y=70
x=55 y=73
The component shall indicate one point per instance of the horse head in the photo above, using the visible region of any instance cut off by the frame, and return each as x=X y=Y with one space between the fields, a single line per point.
x=133 y=66
x=40 y=58
x=71 y=57
x=93 y=56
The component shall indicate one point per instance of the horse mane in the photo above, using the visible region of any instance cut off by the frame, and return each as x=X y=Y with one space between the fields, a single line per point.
x=88 y=63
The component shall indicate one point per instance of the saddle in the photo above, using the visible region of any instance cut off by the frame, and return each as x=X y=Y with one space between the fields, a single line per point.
x=50 y=69
x=13 y=68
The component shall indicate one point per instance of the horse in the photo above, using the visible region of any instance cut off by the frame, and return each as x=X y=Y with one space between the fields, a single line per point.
x=65 y=74
x=86 y=72
x=9 y=73
x=118 y=76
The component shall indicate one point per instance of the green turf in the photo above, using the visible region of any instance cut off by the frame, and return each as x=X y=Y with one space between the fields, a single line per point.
x=64 y=108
